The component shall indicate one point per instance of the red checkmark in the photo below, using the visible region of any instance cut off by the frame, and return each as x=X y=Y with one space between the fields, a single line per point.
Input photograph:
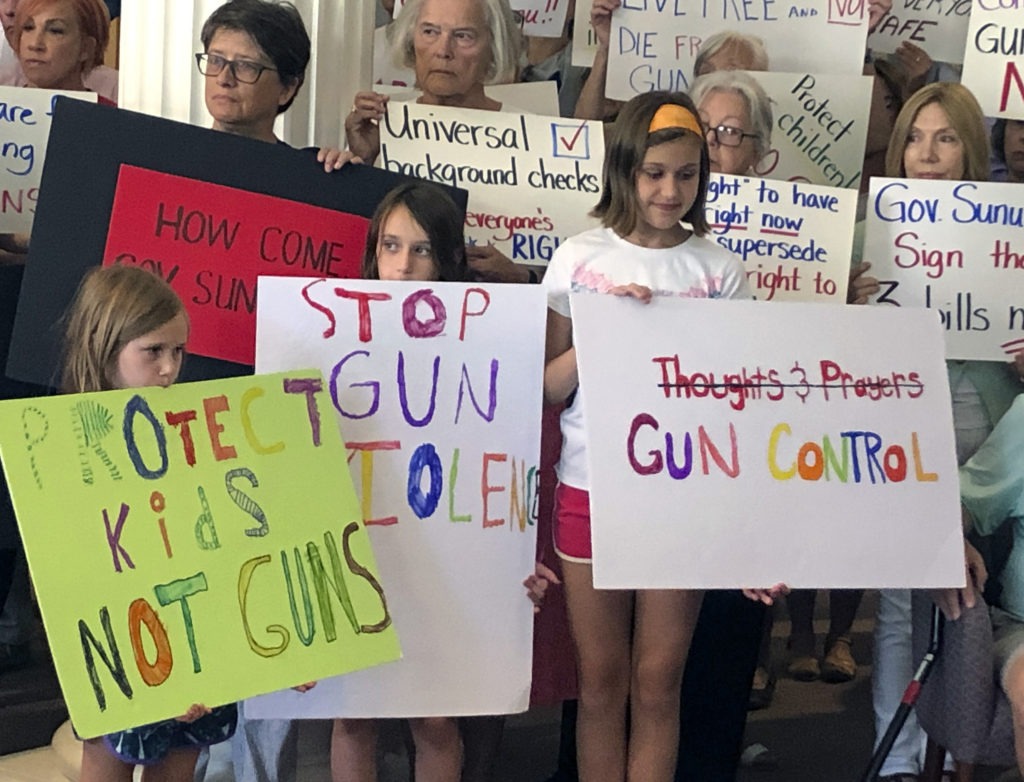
x=575 y=137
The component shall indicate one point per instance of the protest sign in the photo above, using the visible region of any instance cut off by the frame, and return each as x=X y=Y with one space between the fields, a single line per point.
x=821 y=124
x=956 y=248
x=542 y=18
x=993 y=68
x=193 y=544
x=734 y=443
x=937 y=26
x=584 y=41
x=210 y=242
x=441 y=412
x=24 y=128
x=532 y=180
x=654 y=43
x=539 y=18
x=78 y=192
x=794 y=239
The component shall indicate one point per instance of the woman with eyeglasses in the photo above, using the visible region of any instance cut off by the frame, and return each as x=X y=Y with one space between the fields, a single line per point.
x=254 y=58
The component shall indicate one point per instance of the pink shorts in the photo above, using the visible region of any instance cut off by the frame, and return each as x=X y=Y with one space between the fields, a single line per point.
x=572 y=524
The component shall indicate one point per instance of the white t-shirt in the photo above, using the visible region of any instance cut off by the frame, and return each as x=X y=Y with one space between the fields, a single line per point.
x=599 y=259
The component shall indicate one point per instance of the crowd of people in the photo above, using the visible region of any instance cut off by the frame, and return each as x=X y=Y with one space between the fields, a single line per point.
x=665 y=677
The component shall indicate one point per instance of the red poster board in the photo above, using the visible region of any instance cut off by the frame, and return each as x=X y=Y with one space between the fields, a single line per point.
x=211 y=242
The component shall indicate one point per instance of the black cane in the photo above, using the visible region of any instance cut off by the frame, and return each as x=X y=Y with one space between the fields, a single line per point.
x=910 y=696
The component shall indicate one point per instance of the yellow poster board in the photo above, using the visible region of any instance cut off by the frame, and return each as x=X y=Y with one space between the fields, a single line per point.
x=195 y=544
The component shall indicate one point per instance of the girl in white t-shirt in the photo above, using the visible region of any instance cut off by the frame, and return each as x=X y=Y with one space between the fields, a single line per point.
x=631 y=645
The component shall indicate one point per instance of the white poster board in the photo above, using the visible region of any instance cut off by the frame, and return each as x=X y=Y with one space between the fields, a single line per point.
x=993 y=65
x=957 y=248
x=937 y=26
x=441 y=413
x=532 y=180
x=24 y=130
x=654 y=43
x=584 y=42
x=737 y=444
x=794 y=239
x=540 y=18
x=821 y=125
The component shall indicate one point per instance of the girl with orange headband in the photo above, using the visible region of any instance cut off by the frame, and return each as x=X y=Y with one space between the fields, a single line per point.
x=631 y=645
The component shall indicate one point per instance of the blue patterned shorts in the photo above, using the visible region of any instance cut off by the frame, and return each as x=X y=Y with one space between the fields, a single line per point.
x=151 y=743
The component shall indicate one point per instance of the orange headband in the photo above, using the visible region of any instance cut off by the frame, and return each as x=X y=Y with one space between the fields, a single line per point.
x=672 y=115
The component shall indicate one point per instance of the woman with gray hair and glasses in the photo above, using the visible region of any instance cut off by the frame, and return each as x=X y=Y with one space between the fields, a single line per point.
x=737 y=114
x=254 y=58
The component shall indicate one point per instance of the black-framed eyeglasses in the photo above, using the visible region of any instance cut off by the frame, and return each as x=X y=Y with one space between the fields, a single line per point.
x=245 y=71
x=728 y=136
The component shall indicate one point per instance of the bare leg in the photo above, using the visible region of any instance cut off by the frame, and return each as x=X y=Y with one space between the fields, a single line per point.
x=438 y=749
x=481 y=740
x=178 y=766
x=354 y=751
x=601 y=623
x=100 y=765
x=662 y=629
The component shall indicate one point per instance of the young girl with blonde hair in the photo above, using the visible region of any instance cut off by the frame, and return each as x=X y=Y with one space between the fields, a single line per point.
x=127 y=329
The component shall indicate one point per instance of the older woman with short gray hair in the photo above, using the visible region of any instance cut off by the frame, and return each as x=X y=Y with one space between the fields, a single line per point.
x=738 y=116
x=455 y=47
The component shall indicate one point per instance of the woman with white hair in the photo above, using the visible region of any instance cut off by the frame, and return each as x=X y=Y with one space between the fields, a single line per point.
x=738 y=116
x=455 y=47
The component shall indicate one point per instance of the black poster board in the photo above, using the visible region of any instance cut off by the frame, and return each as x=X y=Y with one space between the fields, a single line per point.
x=87 y=146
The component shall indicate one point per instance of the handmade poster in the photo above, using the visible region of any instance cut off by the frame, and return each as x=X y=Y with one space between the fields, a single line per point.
x=584 y=41
x=794 y=239
x=441 y=412
x=210 y=242
x=24 y=127
x=540 y=18
x=956 y=248
x=821 y=125
x=532 y=180
x=937 y=26
x=193 y=544
x=993 y=67
x=78 y=193
x=732 y=443
x=654 y=43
